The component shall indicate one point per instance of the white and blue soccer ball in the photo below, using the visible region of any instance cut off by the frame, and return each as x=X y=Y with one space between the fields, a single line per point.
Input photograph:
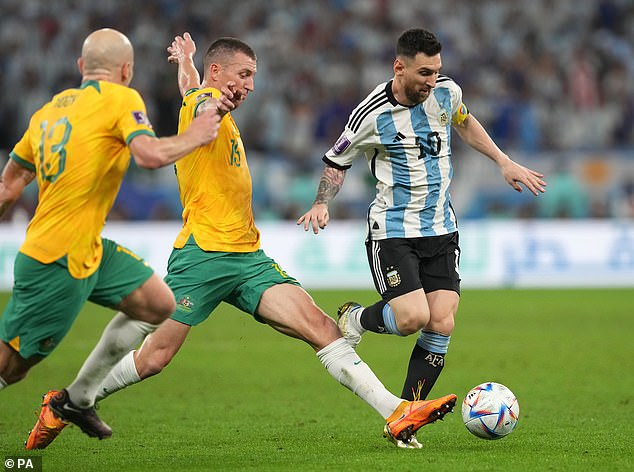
x=490 y=411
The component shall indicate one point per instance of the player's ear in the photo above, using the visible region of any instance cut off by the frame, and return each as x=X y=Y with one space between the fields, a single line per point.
x=399 y=66
x=126 y=73
x=214 y=71
x=80 y=65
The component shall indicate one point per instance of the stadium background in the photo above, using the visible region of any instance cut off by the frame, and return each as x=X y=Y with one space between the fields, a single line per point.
x=551 y=81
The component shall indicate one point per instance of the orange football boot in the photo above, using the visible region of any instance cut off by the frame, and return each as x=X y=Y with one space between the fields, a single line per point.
x=48 y=425
x=410 y=416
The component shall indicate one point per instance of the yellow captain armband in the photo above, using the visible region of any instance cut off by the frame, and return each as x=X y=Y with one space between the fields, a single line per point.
x=460 y=115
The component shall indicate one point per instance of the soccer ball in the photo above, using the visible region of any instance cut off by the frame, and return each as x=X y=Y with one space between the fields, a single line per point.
x=490 y=411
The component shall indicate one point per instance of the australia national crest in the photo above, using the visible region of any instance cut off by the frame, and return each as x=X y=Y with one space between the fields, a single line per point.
x=185 y=304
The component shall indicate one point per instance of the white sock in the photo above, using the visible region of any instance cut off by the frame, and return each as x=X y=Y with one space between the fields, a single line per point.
x=122 y=375
x=349 y=370
x=120 y=336
x=355 y=320
x=2 y=383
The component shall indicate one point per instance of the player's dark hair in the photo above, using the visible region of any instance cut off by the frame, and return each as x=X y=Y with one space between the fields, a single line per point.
x=227 y=46
x=414 y=41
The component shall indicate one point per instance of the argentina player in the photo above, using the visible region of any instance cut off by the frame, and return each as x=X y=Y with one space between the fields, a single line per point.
x=403 y=128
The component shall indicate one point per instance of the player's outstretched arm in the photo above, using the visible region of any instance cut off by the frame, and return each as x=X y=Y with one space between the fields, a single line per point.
x=151 y=152
x=474 y=134
x=13 y=180
x=329 y=185
x=181 y=52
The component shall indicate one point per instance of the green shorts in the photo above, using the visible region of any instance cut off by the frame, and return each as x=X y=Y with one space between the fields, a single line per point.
x=202 y=279
x=46 y=299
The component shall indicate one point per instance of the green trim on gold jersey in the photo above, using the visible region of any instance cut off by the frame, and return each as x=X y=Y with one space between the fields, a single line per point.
x=137 y=133
x=91 y=83
x=21 y=161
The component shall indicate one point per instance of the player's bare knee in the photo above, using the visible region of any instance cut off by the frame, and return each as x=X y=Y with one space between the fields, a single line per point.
x=321 y=331
x=444 y=325
x=11 y=376
x=167 y=309
x=410 y=326
x=447 y=326
x=160 y=310
x=411 y=322
x=13 y=367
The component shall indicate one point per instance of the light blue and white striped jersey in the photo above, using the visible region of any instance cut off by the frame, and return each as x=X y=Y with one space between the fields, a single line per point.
x=408 y=150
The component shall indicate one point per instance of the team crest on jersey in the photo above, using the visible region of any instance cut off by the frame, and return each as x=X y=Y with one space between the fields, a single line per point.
x=393 y=277
x=444 y=118
x=341 y=144
x=141 y=118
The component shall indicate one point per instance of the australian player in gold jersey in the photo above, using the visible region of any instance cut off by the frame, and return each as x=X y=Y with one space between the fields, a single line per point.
x=217 y=255
x=78 y=147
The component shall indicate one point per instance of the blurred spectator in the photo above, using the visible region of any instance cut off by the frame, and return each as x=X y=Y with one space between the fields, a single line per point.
x=566 y=196
x=624 y=200
x=561 y=79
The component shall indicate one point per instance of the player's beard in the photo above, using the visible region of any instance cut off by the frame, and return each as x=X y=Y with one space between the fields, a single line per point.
x=416 y=96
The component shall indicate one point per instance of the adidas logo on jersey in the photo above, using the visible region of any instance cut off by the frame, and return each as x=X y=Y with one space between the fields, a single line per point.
x=399 y=136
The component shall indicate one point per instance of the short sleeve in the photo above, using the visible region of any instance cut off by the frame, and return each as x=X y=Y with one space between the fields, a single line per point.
x=459 y=110
x=23 y=153
x=350 y=145
x=133 y=119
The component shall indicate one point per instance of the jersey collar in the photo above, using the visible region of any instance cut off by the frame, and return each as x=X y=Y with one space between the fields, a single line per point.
x=392 y=98
x=91 y=83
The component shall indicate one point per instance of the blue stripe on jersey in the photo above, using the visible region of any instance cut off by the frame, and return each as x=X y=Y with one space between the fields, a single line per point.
x=420 y=124
x=401 y=194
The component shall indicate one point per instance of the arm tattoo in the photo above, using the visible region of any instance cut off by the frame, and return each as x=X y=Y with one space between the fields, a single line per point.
x=12 y=182
x=208 y=105
x=329 y=185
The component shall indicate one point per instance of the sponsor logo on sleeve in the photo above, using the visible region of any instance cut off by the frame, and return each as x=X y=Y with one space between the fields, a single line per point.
x=341 y=145
x=141 y=118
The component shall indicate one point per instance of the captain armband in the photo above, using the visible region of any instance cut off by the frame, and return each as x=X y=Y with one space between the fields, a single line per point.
x=460 y=115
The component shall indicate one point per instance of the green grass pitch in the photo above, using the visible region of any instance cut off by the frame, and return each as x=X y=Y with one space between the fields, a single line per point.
x=240 y=396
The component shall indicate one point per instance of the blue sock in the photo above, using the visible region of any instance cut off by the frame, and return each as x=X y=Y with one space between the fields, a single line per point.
x=433 y=342
x=389 y=321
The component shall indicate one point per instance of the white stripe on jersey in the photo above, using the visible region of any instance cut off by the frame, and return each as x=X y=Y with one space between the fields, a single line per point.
x=409 y=151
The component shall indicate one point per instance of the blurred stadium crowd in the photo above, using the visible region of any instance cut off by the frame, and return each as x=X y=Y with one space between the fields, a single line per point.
x=552 y=81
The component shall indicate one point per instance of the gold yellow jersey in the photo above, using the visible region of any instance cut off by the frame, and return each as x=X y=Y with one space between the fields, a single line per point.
x=215 y=186
x=77 y=145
